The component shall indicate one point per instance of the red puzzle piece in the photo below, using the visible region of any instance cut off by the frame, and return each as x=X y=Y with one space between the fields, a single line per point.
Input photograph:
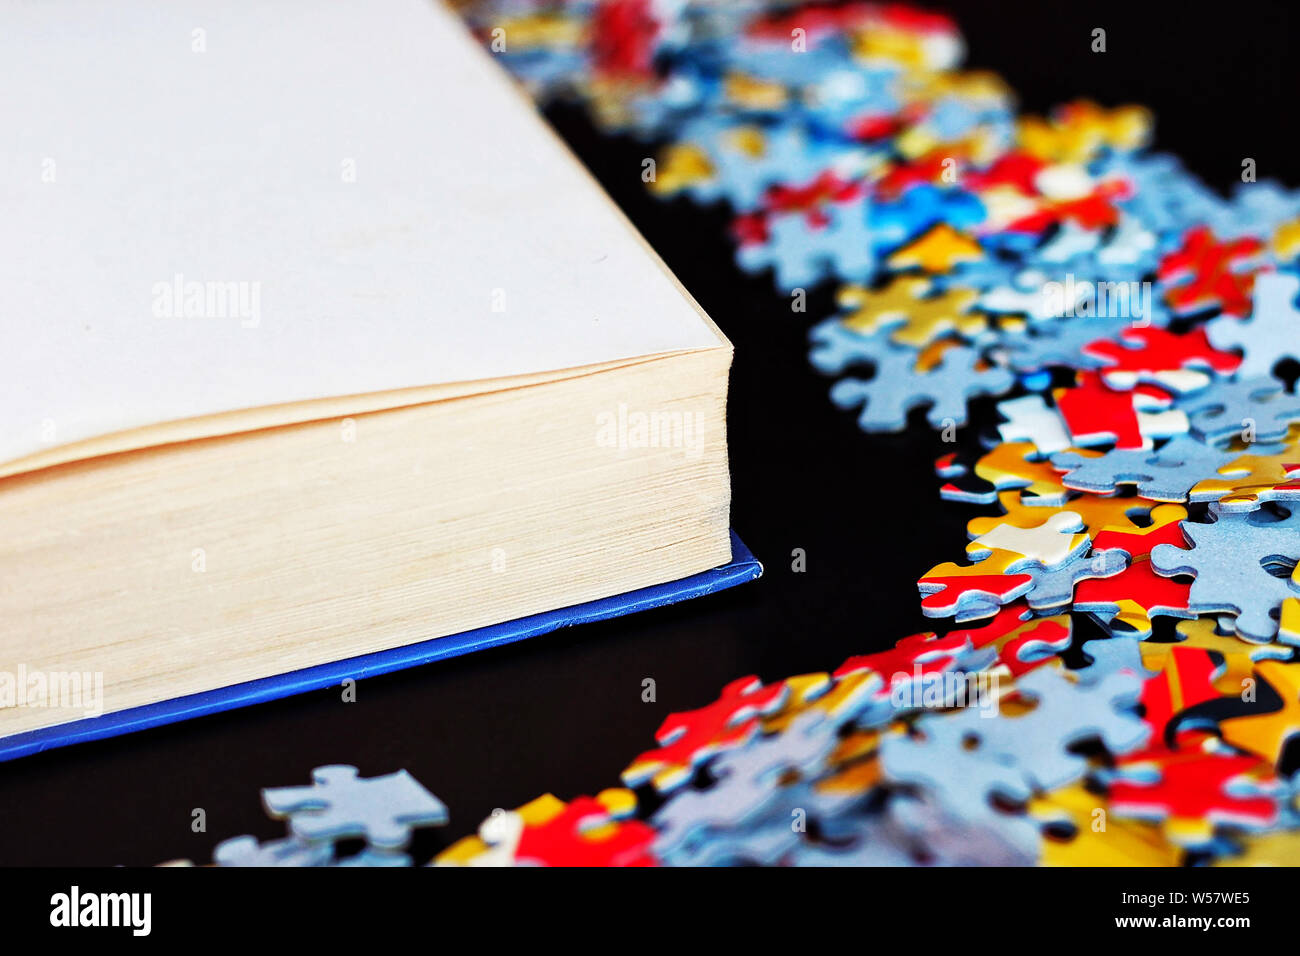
x=1095 y=414
x=926 y=651
x=944 y=591
x=688 y=738
x=568 y=840
x=1146 y=352
x=1194 y=784
x=1205 y=273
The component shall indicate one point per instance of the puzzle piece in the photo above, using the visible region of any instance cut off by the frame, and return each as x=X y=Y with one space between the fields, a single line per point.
x=1051 y=544
x=1180 y=363
x=1206 y=273
x=907 y=306
x=1273 y=329
x=340 y=804
x=941 y=249
x=1249 y=480
x=1029 y=419
x=1192 y=790
x=802 y=253
x=1011 y=465
x=687 y=739
x=898 y=387
x=1253 y=409
x=1234 y=561
x=1095 y=414
x=745 y=790
x=1137 y=594
x=975 y=590
x=1169 y=474
x=289 y=851
x=585 y=833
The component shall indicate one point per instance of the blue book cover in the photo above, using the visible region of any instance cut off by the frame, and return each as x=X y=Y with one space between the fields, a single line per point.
x=742 y=567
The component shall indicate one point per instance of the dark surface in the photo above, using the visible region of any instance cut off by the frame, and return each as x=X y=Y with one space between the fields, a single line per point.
x=563 y=713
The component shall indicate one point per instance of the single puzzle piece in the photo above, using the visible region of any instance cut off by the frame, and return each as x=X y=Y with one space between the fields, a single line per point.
x=837 y=347
x=1012 y=465
x=907 y=306
x=1137 y=594
x=1095 y=414
x=802 y=253
x=1272 y=473
x=1273 y=329
x=340 y=804
x=1051 y=544
x=688 y=738
x=1181 y=363
x=1253 y=409
x=289 y=851
x=1234 y=563
x=975 y=590
x=1192 y=790
x=939 y=250
x=1167 y=474
x=585 y=833
x=1030 y=420
x=898 y=387
x=1206 y=273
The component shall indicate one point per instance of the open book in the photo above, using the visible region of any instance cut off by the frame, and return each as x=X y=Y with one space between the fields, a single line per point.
x=318 y=344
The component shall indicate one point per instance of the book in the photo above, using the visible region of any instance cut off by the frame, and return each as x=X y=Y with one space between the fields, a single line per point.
x=322 y=346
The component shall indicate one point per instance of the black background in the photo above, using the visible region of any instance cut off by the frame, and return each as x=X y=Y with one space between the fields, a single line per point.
x=563 y=713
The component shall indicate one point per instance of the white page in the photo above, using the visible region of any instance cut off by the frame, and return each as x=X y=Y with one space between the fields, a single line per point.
x=362 y=170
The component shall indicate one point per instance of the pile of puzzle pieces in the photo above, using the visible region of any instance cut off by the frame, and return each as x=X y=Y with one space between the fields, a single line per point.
x=1138 y=486
x=1140 y=476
